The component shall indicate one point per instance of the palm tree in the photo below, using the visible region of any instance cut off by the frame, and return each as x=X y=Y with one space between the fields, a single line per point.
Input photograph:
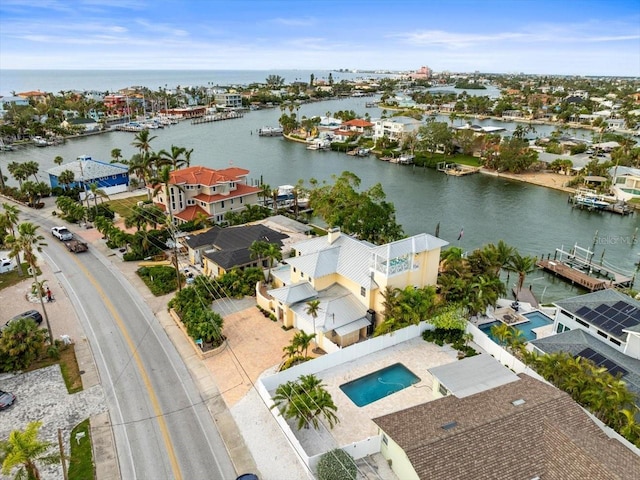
x=257 y=250
x=273 y=254
x=175 y=157
x=305 y=400
x=66 y=178
x=142 y=142
x=502 y=332
x=142 y=167
x=522 y=266
x=28 y=242
x=24 y=450
x=10 y=219
x=265 y=192
x=58 y=160
x=302 y=340
x=95 y=193
x=313 y=307
x=116 y=155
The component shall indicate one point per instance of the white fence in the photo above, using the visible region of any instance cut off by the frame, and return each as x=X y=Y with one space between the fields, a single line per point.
x=362 y=448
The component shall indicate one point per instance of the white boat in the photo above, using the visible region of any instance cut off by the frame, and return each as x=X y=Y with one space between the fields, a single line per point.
x=319 y=144
x=270 y=132
x=590 y=199
x=38 y=141
x=130 y=127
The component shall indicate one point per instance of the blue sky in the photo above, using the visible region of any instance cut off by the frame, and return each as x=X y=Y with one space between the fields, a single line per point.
x=566 y=37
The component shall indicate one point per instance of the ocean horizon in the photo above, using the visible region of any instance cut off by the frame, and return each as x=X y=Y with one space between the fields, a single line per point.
x=56 y=81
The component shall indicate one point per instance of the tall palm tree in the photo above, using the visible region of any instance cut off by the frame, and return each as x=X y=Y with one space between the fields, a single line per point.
x=29 y=242
x=66 y=178
x=25 y=450
x=95 y=193
x=10 y=219
x=176 y=157
x=313 y=308
x=142 y=142
x=522 y=266
x=273 y=254
x=58 y=160
x=116 y=155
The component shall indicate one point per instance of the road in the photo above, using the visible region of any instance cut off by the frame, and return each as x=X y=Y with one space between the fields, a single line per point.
x=161 y=425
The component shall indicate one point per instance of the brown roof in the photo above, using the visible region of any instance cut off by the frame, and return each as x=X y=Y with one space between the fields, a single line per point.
x=358 y=122
x=548 y=436
x=240 y=191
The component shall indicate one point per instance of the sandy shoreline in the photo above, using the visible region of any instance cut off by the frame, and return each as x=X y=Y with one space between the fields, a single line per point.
x=542 y=179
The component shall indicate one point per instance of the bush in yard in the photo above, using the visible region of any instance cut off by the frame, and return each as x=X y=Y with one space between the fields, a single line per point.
x=159 y=279
x=337 y=465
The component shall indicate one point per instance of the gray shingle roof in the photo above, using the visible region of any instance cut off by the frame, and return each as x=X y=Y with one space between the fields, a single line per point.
x=204 y=238
x=548 y=436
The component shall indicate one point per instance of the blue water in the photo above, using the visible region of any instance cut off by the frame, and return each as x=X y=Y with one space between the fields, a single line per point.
x=379 y=384
x=535 y=319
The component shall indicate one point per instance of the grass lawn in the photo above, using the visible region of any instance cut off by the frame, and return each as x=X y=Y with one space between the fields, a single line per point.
x=9 y=279
x=467 y=160
x=81 y=459
x=68 y=367
x=123 y=206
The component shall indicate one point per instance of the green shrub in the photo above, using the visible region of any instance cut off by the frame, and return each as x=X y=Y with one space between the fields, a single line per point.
x=337 y=465
x=160 y=279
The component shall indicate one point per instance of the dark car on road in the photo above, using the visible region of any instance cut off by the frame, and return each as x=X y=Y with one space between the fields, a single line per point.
x=6 y=399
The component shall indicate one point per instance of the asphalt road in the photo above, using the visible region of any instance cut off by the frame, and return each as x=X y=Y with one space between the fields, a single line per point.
x=162 y=427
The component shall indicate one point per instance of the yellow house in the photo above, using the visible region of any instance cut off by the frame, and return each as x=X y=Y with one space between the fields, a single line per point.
x=348 y=277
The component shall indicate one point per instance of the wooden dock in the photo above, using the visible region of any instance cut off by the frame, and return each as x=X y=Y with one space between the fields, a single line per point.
x=574 y=276
x=457 y=169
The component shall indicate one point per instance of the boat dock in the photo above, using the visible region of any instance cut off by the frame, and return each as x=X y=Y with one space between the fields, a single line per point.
x=216 y=117
x=456 y=169
x=578 y=268
x=590 y=200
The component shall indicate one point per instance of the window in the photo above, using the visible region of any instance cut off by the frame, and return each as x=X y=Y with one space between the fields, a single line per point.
x=191 y=201
x=560 y=328
x=443 y=390
x=222 y=204
x=584 y=324
x=615 y=342
x=385 y=440
x=601 y=333
x=363 y=292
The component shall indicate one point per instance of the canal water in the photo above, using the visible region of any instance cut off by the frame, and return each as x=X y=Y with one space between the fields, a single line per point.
x=486 y=209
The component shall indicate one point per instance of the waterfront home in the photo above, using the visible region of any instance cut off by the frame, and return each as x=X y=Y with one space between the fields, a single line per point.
x=625 y=182
x=357 y=125
x=602 y=326
x=523 y=429
x=348 y=277
x=84 y=125
x=201 y=191
x=109 y=177
x=228 y=100
x=395 y=128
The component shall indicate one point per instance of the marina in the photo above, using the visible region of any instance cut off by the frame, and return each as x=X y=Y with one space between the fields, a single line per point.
x=591 y=200
x=216 y=117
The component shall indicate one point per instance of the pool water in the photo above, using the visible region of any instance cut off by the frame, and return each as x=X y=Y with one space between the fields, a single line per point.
x=379 y=384
x=535 y=319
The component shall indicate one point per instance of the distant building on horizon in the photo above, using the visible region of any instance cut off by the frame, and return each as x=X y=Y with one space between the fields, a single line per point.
x=423 y=73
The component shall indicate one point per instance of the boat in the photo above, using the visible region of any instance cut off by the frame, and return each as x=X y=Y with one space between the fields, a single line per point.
x=130 y=127
x=270 y=132
x=403 y=160
x=319 y=144
x=38 y=141
x=589 y=199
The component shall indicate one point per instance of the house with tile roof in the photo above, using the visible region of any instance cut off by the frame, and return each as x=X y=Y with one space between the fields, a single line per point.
x=524 y=429
x=202 y=191
x=348 y=277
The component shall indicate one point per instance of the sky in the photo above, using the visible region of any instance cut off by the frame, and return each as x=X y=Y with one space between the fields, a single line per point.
x=566 y=37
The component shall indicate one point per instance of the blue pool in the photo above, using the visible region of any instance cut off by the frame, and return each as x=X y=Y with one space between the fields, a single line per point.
x=535 y=319
x=379 y=384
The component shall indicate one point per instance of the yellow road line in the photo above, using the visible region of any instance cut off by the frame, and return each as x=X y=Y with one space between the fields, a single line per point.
x=143 y=373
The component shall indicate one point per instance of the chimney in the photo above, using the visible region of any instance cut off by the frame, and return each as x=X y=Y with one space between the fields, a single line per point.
x=333 y=234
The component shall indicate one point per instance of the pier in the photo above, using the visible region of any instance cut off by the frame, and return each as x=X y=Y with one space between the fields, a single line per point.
x=216 y=117
x=456 y=169
x=578 y=268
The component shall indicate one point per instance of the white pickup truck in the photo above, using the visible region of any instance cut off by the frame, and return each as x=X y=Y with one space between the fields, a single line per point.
x=62 y=233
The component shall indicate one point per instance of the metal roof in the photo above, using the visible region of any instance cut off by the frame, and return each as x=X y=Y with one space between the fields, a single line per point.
x=473 y=375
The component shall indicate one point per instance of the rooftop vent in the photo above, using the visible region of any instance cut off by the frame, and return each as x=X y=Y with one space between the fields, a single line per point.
x=449 y=426
x=517 y=403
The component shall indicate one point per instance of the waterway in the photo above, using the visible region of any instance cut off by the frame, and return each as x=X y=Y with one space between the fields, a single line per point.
x=534 y=219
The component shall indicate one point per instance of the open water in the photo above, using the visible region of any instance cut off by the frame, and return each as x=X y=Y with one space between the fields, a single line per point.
x=534 y=219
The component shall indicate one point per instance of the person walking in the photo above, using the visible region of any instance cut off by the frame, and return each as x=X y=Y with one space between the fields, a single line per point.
x=49 y=296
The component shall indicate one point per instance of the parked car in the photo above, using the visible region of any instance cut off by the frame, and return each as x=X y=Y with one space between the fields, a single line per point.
x=6 y=399
x=6 y=265
x=34 y=315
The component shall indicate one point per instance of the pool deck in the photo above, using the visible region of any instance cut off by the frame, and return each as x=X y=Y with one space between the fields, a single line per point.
x=357 y=422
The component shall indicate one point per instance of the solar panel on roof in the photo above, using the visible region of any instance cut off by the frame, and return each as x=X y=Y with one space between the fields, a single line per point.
x=602 y=308
x=616 y=330
x=618 y=316
x=629 y=322
x=620 y=304
x=599 y=320
x=582 y=311
x=601 y=361
x=590 y=315
x=608 y=325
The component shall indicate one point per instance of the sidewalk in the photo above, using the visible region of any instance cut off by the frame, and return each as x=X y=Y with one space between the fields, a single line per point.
x=67 y=323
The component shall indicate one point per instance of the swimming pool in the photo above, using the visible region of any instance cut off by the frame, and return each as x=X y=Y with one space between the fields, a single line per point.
x=535 y=319
x=379 y=384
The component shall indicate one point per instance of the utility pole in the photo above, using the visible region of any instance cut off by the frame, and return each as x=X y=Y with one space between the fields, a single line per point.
x=63 y=460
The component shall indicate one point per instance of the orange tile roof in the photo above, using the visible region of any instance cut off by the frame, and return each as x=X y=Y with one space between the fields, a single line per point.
x=206 y=176
x=190 y=213
x=241 y=190
x=358 y=122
